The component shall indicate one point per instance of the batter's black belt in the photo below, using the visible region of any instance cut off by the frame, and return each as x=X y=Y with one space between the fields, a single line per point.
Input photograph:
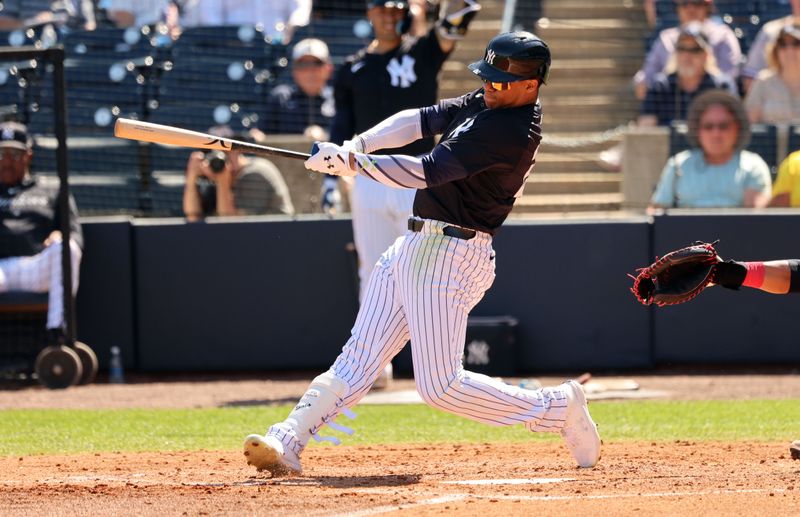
x=415 y=225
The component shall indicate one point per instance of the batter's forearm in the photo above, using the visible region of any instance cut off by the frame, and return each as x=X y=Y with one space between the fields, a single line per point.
x=398 y=130
x=395 y=171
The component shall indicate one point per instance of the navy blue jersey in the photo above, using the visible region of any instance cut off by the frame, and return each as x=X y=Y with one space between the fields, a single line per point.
x=481 y=163
x=28 y=215
x=369 y=88
x=668 y=102
x=290 y=110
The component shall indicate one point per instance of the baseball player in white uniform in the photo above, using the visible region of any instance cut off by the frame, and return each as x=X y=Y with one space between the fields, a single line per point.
x=30 y=236
x=425 y=284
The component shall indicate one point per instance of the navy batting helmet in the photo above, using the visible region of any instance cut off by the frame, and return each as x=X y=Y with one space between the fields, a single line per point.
x=514 y=56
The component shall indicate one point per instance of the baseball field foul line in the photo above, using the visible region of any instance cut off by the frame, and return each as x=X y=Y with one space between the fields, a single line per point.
x=460 y=497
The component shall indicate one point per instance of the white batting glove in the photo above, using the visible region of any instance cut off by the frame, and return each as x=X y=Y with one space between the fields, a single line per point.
x=356 y=145
x=330 y=159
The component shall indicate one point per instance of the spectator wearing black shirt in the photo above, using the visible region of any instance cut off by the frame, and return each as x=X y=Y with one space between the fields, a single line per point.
x=30 y=228
x=691 y=71
x=306 y=106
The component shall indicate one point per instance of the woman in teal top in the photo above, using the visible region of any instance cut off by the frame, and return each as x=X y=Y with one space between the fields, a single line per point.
x=717 y=172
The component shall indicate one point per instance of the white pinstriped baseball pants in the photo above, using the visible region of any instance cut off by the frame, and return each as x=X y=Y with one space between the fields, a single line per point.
x=380 y=215
x=41 y=273
x=423 y=288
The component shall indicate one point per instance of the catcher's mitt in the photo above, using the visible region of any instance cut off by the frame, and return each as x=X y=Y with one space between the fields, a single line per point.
x=676 y=277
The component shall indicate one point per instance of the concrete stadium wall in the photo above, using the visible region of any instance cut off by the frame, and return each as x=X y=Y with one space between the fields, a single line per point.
x=272 y=293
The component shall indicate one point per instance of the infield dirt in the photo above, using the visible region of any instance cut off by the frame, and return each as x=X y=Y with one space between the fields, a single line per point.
x=685 y=478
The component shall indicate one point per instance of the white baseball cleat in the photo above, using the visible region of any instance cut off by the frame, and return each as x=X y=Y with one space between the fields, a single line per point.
x=384 y=380
x=580 y=431
x=268 y=453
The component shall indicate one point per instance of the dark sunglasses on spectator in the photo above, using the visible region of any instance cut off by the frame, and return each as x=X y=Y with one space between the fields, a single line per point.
x=691 y=50
x=305 y=65
x=710 y=126
x=684 y=3
x=791 y=42
x=499 y=86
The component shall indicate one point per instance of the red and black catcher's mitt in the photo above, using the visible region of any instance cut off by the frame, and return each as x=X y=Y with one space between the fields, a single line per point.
x=676 y=277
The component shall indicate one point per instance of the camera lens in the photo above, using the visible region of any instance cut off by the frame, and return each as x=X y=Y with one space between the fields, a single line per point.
x=216 y=161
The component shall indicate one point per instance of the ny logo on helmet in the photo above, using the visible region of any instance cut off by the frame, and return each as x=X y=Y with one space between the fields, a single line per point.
x=490 y=56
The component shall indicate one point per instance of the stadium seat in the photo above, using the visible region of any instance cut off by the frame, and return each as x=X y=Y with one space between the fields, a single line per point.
x=241 y=42
x=208 y=80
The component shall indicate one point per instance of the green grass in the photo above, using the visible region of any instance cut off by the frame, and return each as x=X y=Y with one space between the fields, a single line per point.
x=25 y=432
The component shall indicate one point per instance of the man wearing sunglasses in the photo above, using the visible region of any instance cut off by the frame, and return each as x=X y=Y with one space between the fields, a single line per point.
x=426 y=283
x=721 y=38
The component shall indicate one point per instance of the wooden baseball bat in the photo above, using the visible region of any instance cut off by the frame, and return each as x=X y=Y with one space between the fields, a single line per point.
x=170 y=135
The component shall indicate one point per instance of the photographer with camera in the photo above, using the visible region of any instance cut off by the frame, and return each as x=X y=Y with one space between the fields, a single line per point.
x=230 y=183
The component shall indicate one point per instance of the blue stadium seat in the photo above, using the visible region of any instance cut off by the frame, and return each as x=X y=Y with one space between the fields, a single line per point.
x=107 y=156
x=764 y=142
x=772 y=9
x=214 y=81
x=794 y=138
x=109 y=43
x=240 y=42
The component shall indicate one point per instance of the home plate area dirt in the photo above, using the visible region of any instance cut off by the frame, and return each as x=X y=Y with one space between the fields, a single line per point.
x=680 y=478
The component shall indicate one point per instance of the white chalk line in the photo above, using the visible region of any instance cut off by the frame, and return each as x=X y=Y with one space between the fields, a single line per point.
x=464 y=496
x=530 y=481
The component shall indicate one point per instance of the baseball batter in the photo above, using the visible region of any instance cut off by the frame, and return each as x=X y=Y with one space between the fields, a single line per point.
x=426 y=283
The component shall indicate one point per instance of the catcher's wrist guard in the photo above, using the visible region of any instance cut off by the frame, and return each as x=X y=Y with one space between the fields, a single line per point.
x=454 y=25
x=730 y=274
x=676 y=277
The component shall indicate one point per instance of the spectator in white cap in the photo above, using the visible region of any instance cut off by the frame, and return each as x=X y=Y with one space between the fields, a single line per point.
x=305 y=106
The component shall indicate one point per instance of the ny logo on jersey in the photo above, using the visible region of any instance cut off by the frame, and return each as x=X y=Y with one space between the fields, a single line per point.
x=477 y=352
x=462 y=128
x=402 y=72
x=490 y=56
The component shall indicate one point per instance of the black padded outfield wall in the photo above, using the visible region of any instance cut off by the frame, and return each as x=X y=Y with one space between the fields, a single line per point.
x=104 y=306
x=267 y=293
x=721 y=325
x=271 y=293
x=567 y=285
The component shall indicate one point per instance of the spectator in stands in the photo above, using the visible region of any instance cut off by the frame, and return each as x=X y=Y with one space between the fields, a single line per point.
x=233 y=184
x=757 y=55
x=18 y=14
x=717 y=172
x=30 y=229
x=727 y=51
x=278 y=17
x=774 y=97
x=691 y=71
x=137 y=13
x=306 y=106
x=786 y=191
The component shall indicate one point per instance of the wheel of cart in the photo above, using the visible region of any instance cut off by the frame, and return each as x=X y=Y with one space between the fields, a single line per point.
x=58 y=367
x=26 y=350
x=88 y=362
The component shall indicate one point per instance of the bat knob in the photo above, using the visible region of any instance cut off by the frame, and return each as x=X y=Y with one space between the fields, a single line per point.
x=314 y=148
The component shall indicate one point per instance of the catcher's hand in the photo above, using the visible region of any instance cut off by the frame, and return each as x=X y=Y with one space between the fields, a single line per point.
x=676 y=277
